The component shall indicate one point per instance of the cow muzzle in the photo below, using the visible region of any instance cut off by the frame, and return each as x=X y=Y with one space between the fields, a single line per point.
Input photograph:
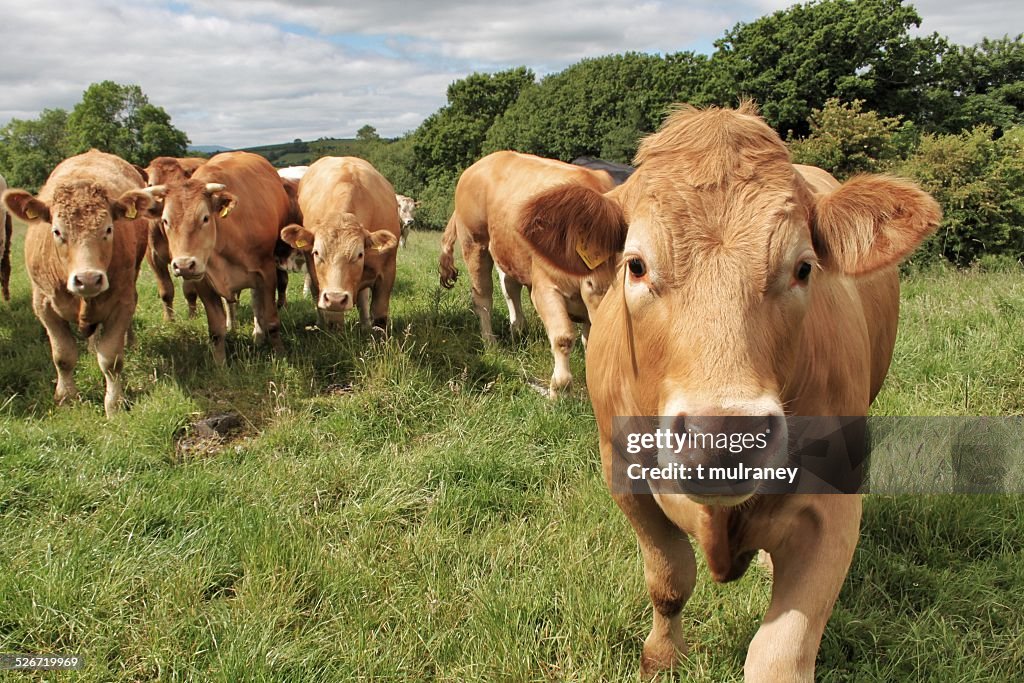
x=735 y=445
x=335 y=301
x=88 y=283
x=188 y=268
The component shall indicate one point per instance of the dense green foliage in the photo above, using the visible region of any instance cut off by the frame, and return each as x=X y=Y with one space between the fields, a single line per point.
x=979 y=182
x=845 y=140
x=597 y=107
x=795 y=59
x=113 y=118
x=412 y=510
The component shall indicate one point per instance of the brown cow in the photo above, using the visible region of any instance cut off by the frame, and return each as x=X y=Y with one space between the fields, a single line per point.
x=350 y=232
x=85 y=242
x=222 y=226
x=488 y=200
x=5 y=246
x=743 y=288
x=161 y=171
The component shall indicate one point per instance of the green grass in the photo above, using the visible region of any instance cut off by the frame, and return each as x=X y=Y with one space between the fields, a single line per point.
x=412 y=509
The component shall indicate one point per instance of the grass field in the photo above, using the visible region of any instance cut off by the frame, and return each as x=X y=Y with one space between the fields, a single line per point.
x=413 y=510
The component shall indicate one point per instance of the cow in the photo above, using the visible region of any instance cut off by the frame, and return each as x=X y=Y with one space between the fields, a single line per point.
x=744 y=286
x=161 y=171
x=222 y=227
x=5 y=245
x=86 y=240
x=350 y=234
x=293 y=172
x=489 y=197
x=619 y=172
x=406 y=210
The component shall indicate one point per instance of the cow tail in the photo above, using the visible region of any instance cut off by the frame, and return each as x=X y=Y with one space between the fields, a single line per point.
x=446 y=264
x=5 y=260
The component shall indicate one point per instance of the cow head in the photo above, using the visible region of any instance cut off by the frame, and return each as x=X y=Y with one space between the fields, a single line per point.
x=720 y=247
x=191 y=210
x=338 y=248
x=82 y=219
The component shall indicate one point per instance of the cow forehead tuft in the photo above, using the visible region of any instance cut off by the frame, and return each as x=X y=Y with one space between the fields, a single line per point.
x=710 y=147
x=79 y=200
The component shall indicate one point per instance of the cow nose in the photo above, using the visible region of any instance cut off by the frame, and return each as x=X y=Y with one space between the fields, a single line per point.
x=88 y=282
x=335 y=301
x=184 y=266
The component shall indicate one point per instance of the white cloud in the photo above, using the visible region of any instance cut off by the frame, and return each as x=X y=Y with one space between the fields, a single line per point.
x=244 y=72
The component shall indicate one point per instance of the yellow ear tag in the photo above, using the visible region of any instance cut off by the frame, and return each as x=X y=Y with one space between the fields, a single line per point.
x=32 y=214
x=588 y=254
x=225 y=211
x=301 y=244
x=131 y=212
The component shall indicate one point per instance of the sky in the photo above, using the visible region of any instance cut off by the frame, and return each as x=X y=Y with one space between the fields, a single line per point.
x=240 y=73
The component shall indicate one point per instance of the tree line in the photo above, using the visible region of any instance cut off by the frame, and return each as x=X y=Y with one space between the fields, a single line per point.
x=845 y=82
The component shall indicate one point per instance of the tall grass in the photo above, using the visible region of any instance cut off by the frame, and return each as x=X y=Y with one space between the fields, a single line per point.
x=411 y=509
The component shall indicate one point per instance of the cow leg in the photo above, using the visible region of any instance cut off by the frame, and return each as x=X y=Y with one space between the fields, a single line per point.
x=215 y=320
x=191 y=297
x=110 y=341
x=164 y=283
x=267 y=322
x=551 y=308
x=479 y=263
x=670 y=571
x=513 y=290
x=584 y=334
x=810 y=565
x=363 y=304
x=405 y=235
x=282 y=288
x=232 y=317
x=381 y=307
x=63 y=348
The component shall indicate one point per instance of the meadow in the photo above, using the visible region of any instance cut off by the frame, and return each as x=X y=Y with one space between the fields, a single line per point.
x=414 y=509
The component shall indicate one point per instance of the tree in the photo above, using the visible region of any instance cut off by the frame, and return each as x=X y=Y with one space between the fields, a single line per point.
x=598 y=107
x=982 y=84
x=452 y=138
x=794 y=60
x=119 y=119
x=367 y=134
x=29 y=149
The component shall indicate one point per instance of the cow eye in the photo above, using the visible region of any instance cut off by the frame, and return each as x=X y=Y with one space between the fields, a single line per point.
x=803 y=271
x=110 y=230
x=57 y=234
x=637 y=267
x=359 y=255
x=206 y=219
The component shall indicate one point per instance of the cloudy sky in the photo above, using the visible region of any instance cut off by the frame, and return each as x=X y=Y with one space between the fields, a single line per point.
x=249 y=72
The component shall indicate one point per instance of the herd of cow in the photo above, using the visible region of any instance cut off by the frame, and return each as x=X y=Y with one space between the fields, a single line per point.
x=719 y=279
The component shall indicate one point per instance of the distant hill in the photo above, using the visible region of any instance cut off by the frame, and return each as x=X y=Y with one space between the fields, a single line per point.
x=300 y=153
x=207 y=149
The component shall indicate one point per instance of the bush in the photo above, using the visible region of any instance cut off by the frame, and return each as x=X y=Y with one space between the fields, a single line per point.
x=977 y=181
x=437 y=201
x=845 y=140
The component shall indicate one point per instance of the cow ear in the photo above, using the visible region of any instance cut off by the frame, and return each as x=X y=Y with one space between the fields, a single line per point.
x=872 y=222
x=381 y=240
x=573 y=228
x=26 y=207
x=132 y=204
x=223 y=202
x=297 y=236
